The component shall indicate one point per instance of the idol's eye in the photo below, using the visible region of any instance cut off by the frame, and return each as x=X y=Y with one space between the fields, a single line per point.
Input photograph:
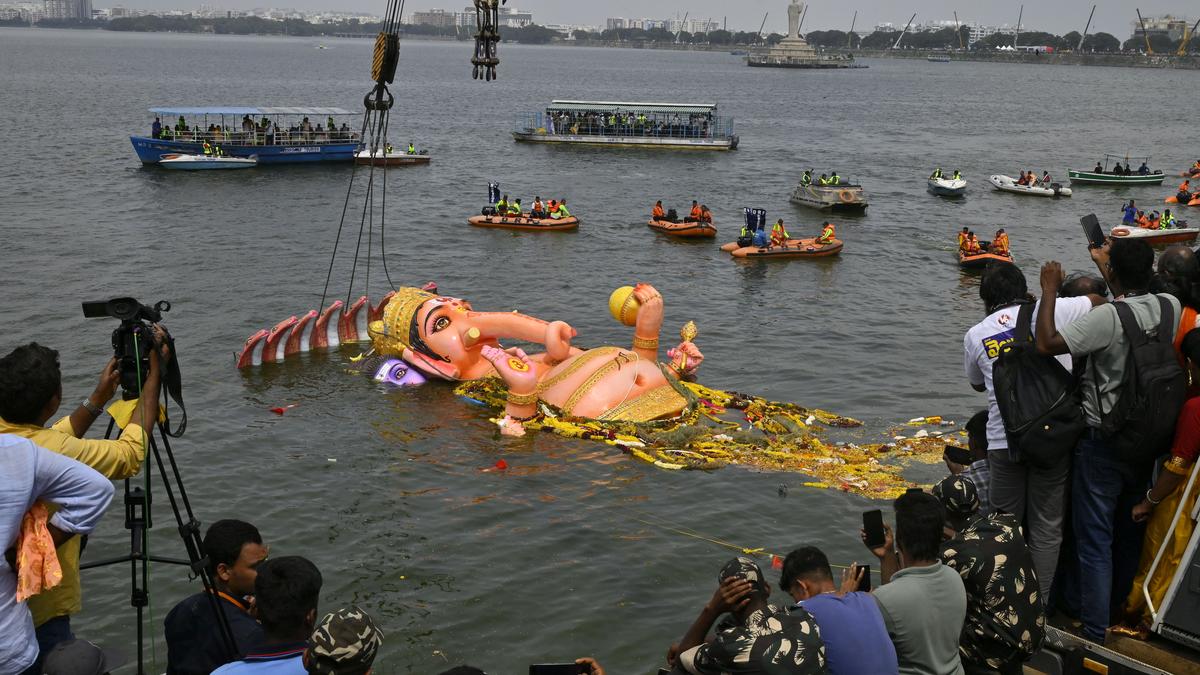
x=441 y=324
x=398 y=371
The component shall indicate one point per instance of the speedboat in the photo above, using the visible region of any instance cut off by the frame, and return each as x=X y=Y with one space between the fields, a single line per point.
x=205 y=162
x=1009 y=184
x=947 y=187
x=393 y=158
x=1180 y=234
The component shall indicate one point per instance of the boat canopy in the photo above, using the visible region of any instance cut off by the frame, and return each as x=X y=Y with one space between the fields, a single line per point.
x=245 y=110
x=615 y=106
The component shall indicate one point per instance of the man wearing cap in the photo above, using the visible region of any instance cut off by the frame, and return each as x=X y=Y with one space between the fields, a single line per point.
x=286 y=591
x=756 y=638
x=344 y=643
x=195 y=644
x=1005 y=624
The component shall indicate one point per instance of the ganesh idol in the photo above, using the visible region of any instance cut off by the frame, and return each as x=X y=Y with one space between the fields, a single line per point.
x=444 y=337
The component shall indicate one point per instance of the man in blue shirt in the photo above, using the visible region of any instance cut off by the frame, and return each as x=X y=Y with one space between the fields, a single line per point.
x=195 y=645
x=286 y=591
x=856 y=641
x=1130 y=211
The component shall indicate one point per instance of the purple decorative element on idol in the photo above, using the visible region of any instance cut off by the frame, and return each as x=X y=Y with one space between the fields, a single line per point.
x=399 y=373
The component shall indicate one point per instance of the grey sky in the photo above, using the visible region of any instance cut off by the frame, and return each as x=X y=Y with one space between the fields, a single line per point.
x=1057 y=16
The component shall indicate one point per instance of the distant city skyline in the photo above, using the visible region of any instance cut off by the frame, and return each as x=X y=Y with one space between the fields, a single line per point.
x=1060 y=16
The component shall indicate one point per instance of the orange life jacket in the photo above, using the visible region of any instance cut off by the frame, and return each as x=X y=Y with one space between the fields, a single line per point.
x=695 y=212
x=826 y=235
x=658 y=211
x=962 y=240
x=537 y=206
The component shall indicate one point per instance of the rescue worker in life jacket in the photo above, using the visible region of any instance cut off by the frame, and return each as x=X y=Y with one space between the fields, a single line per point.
x=826 y=234
x=694 y=216
x=937 y=173
x=658 y=213
x=412 y=150
x=1000 y=242
x=1167 y=220
x=208 y=151
x=834 y=179
x=779 y=234
x=705 y=214
x=957 y=175
x=806 y=179
x=973 y=245
x=561 y=211
x=502 y=206
x=823 y=180
x=514 y=209
x=745 y=237
x=538 y=209
x=963 y=237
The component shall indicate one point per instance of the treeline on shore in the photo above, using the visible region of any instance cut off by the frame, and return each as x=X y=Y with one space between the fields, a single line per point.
x=947 y=38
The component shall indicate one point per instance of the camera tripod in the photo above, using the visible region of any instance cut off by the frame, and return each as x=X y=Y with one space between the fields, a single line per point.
x=138 y=521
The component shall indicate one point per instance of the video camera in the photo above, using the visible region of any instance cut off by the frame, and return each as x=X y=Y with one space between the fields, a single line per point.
x=133 y=340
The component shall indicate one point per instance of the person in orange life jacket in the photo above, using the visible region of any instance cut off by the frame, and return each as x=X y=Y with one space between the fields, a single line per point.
x=537 y=210
x=705 y=214
x=1023 y=180
x=827 y=234
x=963 y=237
x=694 y=216
x=973 y=245
x=194 y=644
x=779 y=234
x=1000 y=242
x=658 y=213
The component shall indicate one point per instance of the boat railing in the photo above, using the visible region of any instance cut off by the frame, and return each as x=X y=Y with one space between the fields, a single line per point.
x=567 y=124
x=258 y=138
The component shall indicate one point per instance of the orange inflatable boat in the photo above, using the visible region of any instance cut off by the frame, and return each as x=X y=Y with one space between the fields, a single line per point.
x=524 y=222
x=973 y=261
x=1195 y=201
x=682 y=229
x=795 y=248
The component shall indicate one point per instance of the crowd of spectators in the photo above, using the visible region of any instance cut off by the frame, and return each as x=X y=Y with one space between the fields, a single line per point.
x=628 y=123
x=251 y=132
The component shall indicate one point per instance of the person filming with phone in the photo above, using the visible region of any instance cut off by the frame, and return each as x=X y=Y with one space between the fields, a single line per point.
x=31 y=394
x=852 y=629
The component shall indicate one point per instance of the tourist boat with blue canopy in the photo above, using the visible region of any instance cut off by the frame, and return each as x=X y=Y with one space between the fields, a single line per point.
x=274 y=135
x=1111 y=172
x=642 y=125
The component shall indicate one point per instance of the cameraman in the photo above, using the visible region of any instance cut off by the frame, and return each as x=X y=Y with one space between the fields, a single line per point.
x=30 y=394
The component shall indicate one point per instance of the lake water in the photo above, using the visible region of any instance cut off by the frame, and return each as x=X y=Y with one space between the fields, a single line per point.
x=553 y=558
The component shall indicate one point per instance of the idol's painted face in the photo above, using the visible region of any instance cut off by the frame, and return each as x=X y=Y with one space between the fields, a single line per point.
x=399 y=373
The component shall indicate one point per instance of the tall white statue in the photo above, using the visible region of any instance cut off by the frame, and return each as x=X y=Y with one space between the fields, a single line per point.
x=794 y=11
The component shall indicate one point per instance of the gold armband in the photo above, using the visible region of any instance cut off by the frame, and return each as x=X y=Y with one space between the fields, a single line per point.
x=1177 y=466
x=522 y=399
x=643 y=343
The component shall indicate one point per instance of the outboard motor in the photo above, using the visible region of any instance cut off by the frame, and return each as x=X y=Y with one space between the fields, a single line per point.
x=1057 y=187
x=672 y=215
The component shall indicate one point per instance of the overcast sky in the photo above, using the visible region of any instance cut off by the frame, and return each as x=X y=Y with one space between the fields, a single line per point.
x=1056 y=16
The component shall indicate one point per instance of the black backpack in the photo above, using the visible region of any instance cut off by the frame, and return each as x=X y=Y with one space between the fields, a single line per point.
x=1141 y=425
x=1037 y=397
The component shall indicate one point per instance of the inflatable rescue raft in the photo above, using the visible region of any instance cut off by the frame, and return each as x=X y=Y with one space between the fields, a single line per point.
x=683 y=229
x=977 y=260
x=524 y=222
x=795 y=248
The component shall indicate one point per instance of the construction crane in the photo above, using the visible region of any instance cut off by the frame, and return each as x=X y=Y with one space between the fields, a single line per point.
x=958 y=31
x=1145 y=35
x=682 y=25
x=906 y=27
x=1187 y=37
x=1083 y=36
x=802 y=16
x=850 y=35
x=762 y=26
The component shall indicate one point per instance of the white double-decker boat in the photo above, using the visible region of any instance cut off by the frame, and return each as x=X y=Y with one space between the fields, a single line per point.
x=643 y=125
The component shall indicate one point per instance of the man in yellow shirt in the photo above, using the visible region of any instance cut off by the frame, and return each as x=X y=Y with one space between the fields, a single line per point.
x=30 y=394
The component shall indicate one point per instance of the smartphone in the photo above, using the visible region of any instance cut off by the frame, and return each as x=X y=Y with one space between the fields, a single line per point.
x=1091 y=230
x=873 y=526
x=558 y=669
x=864 y=584
x=958 y=455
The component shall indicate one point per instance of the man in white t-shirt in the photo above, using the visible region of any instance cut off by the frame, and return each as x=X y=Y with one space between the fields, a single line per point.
x=1037 y=496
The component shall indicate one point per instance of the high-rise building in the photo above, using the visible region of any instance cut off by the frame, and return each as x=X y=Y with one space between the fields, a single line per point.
x=434 y=17
x=1172 y=27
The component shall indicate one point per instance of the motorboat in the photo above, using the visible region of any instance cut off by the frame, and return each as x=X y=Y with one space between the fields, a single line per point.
x=182 y=162
x=682 y=228
x=393 y=158
x=1180 y=234
x=1009 y=184
x=947 y=187
x=1110 y=176
x=840 y=197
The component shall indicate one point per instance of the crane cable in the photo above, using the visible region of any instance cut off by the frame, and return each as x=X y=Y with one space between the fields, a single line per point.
x=487 y=36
